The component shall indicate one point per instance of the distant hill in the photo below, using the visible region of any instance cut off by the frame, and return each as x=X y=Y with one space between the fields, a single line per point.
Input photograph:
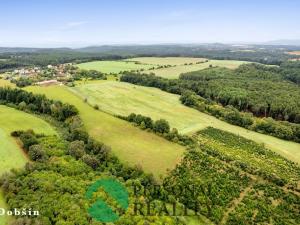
x=284 y=42
x=30 y=50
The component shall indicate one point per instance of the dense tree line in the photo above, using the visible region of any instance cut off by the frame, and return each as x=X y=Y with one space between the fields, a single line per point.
x=254 y=88
x=291 y=71
x=49 y=57
x=36 y=103
x=160 y=127
x=23 y=82
x=88 y=74
x=281 y=129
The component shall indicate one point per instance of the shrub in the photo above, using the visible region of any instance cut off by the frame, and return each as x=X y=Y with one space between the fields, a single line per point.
x=76 y=149
x=91 y=161
x=36 y=153
x=28 y=139
x=161 y=126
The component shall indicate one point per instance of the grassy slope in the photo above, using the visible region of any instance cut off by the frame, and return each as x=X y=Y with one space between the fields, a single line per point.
x=148 y=62
x=112 y=66
x=4 y=83
x=11 y=156
x=174 y=72
x=129 y=143
x=123 y=99
x=166 y=60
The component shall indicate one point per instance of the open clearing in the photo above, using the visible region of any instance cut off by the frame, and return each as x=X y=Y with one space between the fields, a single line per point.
x=174 y=72
x=112 y=66
x=120 y=98
x=11 y=156
x=166 y=60
x=131 y=144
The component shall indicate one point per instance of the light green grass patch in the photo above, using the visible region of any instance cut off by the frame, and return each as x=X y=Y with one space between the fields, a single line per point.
x=130 y=144
x=6 y=83
x=120 y=98
x=113 y=66
x=11 y=156
x=166 y=60
x=174 y=72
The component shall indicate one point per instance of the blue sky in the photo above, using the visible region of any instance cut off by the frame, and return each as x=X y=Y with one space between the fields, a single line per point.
x=75 y=23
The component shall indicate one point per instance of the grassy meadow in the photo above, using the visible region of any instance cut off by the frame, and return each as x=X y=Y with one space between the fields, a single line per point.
x=175 y=61
x=112 y=66
x=145 y=63
x=4 y=83
x=11 y=156
x=120 y=98
x=174 y=72
x=131 y=144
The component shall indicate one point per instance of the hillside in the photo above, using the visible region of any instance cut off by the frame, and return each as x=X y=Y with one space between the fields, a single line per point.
x=129 y=143
x=11 y=155
x=119 y=98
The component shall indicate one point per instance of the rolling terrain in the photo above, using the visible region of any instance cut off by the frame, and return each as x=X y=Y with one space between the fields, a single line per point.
x=118 y=98
x=174 y=72
x=11 y=156
x=132 y=145
x=161 y=61
x=112 y=66
x=174 y=65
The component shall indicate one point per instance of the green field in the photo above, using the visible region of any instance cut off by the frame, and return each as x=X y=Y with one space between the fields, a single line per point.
x=174 y=72
x=132 y=145
x=146 y=63
x=166 y=60
x=4 y=83
x=112 y=66
x=11 y=156
x=120 y=98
